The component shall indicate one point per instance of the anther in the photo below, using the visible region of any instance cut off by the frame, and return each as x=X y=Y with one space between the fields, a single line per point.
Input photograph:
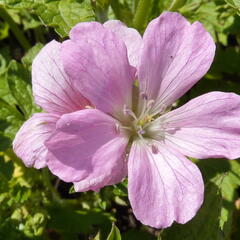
x=154 y=149
x=150 y=103
x=127 y=111
x=88 y=107
x=144 y=95
x=141 y=132
x=117 y=127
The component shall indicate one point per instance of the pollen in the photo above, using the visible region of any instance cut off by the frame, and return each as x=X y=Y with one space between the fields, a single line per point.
x=89 y=107
x=146 y=119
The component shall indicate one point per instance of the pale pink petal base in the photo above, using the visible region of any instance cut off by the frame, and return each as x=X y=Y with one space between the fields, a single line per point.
x=205 y=127
x=78 y=149
x=29 y=140
x=163 y=185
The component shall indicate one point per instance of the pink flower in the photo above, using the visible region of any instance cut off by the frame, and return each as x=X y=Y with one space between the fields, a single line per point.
x=118 y=129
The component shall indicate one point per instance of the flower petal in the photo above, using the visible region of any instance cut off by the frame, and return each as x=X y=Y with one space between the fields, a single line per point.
x=207 y=126
x=112 y=156
x=52 y=88
x=163 y=185
x=29 y=140
x=98 y=64
x=130 y=37
x=175 y=56
x=82 y=148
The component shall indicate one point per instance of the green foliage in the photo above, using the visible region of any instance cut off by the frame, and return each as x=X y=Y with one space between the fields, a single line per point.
x=4 y=30
x=114 y=234
x=64 y=14
x=235 y=4
x=59 y=14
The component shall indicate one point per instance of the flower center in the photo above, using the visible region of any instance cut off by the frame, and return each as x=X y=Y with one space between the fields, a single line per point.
x=136 y=124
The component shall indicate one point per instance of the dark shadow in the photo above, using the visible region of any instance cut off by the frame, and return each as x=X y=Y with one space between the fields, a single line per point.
x=211 y=167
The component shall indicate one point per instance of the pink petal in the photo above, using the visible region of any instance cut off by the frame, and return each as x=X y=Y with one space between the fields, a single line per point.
x=29 y=140
x=87 y=144
x=52 y=88
x=207 y=126
x=175 y=56
x=130 y=37
x=110 y=166
x=163 y=185
x=98 y=63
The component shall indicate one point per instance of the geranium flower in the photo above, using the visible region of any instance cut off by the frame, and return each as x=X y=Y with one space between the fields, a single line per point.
x=99 y=127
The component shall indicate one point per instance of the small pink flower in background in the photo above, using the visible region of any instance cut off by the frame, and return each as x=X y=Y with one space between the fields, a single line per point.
x=99 y=128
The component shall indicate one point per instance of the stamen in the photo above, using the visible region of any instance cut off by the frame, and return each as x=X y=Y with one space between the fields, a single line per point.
x=117 y=127
x=154 y=149
x=127 y=111
x=147 y=105
x=144 y=96
x=150 y=103
x=88 y=107
x=141 y=131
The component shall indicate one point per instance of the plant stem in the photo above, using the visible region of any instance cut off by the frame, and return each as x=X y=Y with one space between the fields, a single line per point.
x=73 y=203
x=176 y=4
x=101 y=14
x=15 y=29
x=55 y=195
x=141 y=13
x=135 y=4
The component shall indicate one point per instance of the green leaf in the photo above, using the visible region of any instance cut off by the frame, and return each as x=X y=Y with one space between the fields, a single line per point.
x=16 y=100
x=19 y=85
x=30 y=55
x=6 y=168
x=114 y=234
x=98 y=236
x=176 y=4
x=122 y=11
x=3 y=81
x=136 y=234
x=4 y=29
x=18 y=3
x=71 y=190
x=5 y=142
x=71 y=221
x=10 y=120
x=234 y=4
x=64 y=14
x=230 y=181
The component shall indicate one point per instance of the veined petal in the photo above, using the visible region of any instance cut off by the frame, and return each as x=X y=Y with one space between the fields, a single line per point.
x=130 y=37
x=110 y=167
x=52 y=88
x=85 y=145
x=163 y=185
x=207 y=126
x=175 y=56
x=29 y=140
x=98 y=63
